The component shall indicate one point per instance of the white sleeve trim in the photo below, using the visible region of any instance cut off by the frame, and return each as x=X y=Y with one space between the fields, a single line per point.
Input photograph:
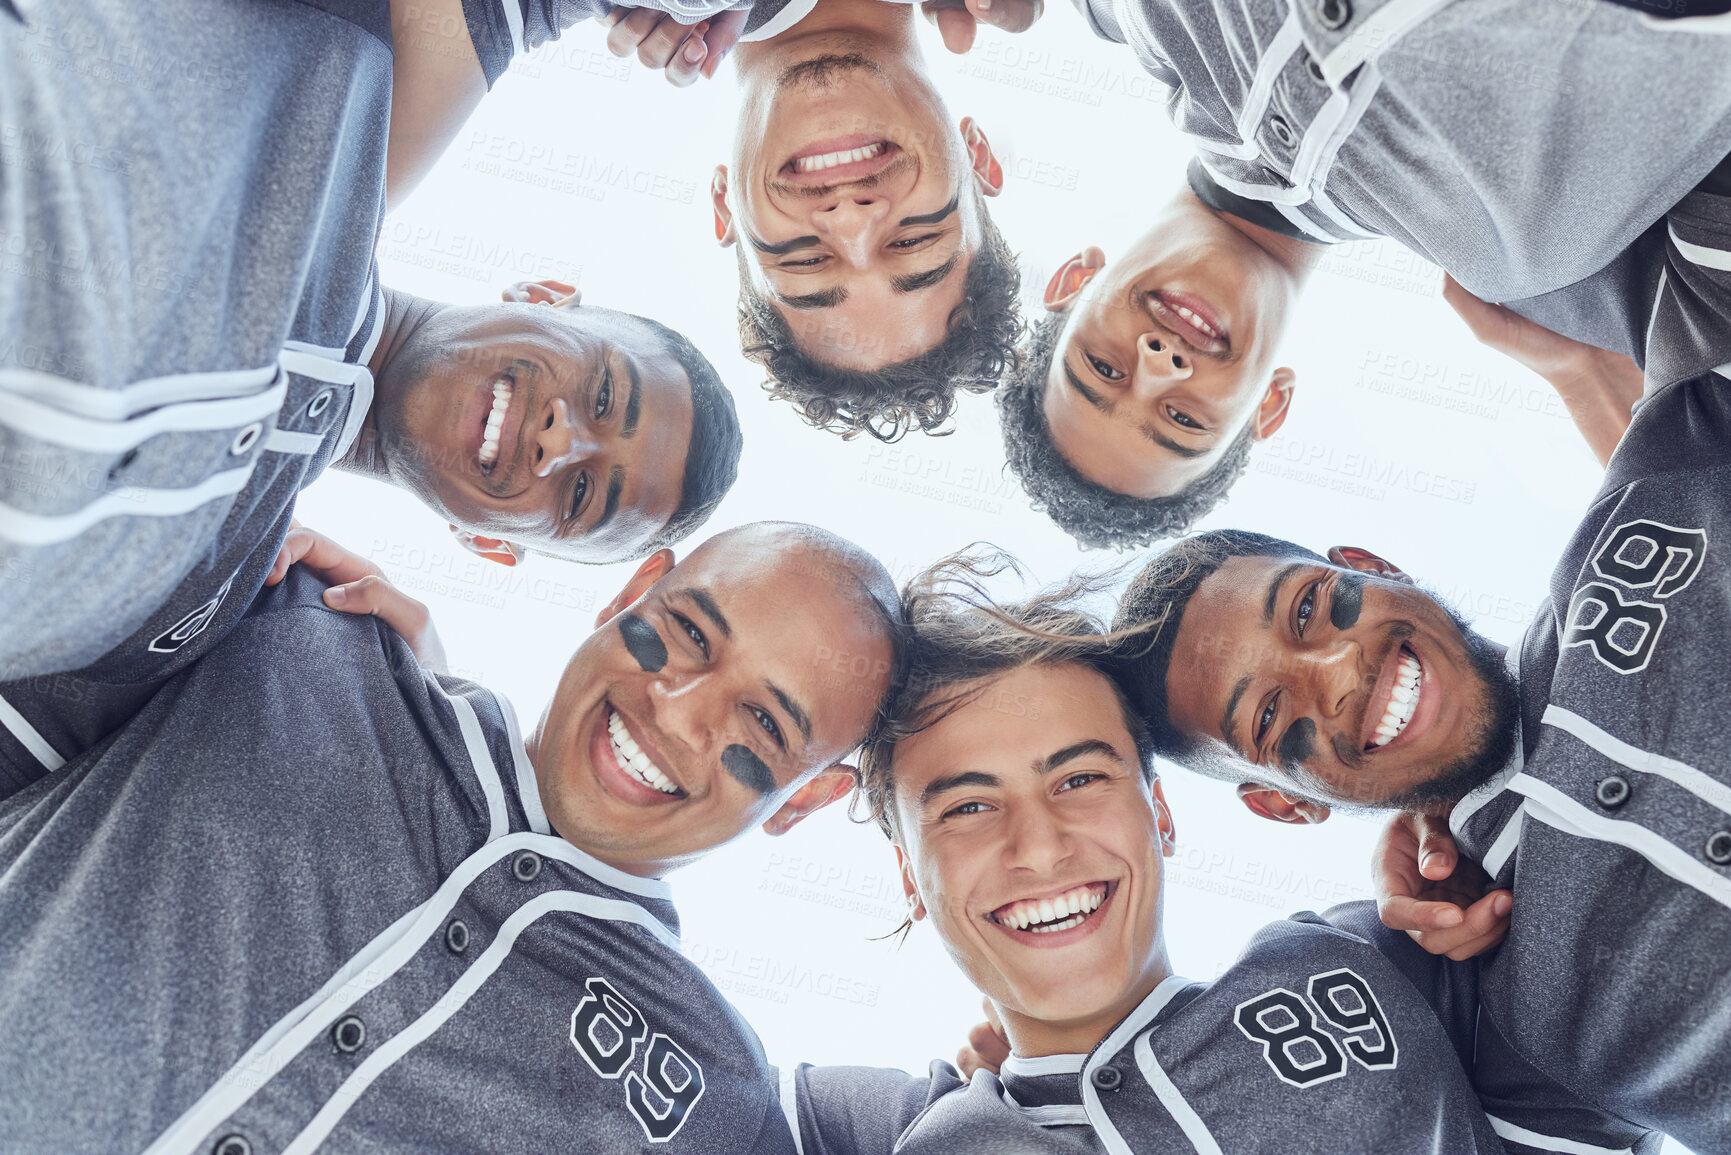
x=1701 y=254
x=30 y=737
x=1702 y=785
x=1554 y=808
x=45 y=422
x=1528 y=1138
x=24 y=528
x=130 y=400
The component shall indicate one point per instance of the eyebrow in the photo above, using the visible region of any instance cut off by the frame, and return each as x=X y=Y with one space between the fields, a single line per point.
x=633 y=403
x=1145 y=429
x=939 y=786
x=914 y=282
x=615 y=486
x=1080 y=749
x=828 y=299
x=799 y=716
x=710 y=610
x=934 y=218
x=1274 y=587
x=1227 y=722
x=782 y=249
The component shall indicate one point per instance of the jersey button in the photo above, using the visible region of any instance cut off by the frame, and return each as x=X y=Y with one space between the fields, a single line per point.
x=349 y=1035
x=457 y=936
x=1314 y=67
x=1612 y=791
x=1333 y=14
x=246 y=439
x=1282 y=131
x=232 y=1145
x=1718 y=848
x=319 y=404
x=526 y=866
x=1106 y=1078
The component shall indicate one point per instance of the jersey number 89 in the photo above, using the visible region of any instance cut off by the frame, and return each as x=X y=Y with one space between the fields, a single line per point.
x=607 y=1030
x=1294 y=1043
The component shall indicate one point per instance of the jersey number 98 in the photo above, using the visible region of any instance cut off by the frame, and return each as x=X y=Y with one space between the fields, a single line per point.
x=1294 y=1042
x=607 y=1031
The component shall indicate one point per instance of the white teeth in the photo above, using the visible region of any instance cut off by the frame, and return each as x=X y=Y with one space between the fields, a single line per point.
x=1402 y=701
x=1045 y=915
x=1190 y=316
x=632 y=757
x=495 y=422
x=834 y=159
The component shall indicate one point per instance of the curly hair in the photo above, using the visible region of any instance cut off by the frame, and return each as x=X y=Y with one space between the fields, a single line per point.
x=1095 y=516
x=1154 y=603
x=976 y=352
x=958 y=638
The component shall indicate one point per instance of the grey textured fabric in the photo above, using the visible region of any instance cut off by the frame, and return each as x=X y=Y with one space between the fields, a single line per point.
x=185 y=189
x=1615 y=831
x=1497 y=138
x=240 y=916
x=1186 y=1070
x=1521 y=1101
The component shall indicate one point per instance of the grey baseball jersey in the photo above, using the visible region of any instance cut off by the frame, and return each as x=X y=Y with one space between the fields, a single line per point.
x=1312 y=1043
x=190 y=192
x=1494 y=137
x=1614 y=824
x=308 y=900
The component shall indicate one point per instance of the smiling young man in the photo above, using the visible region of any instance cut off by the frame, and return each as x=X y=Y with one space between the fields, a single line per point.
x=1463 y=131
x=1587 y=771
x=360 y=912
x=1033 y=841
x=191 y=318
x=577 y=432
x=872 y=282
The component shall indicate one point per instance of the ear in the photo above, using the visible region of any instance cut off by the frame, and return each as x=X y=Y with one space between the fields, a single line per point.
x=555 y=293
x=1061 y=290
x=723 y=215
x=832 y=785
x=1277 y=806
x=916 y=904
x=492 y=548
x=1353 y=557
x=1163 y=819
x=1276 y=403
x=654 y=568
x=988 y=173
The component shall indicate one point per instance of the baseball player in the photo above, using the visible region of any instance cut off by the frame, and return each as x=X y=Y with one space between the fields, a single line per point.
x=314 y=898
x=192 y=327
x=1033 y=840
x=1493 y=137
x=1583 y=768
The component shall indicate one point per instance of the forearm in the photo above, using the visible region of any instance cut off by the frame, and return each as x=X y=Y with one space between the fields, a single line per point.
x=436 y=82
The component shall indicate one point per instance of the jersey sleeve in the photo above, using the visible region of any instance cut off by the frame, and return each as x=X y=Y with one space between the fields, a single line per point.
x=1531 y=1114
x=858 y=1110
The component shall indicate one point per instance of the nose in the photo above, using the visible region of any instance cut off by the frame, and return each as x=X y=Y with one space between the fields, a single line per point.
x=685 y=709
x=1038 y=841
x=1334 y=675
x=562 y=440
x=1160 y=362
x=849 y=223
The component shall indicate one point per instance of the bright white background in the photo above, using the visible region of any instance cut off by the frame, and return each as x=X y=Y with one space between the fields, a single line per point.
x=1405 y=437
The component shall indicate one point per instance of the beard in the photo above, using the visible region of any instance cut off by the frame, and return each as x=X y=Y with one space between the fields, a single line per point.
x=1490 y=745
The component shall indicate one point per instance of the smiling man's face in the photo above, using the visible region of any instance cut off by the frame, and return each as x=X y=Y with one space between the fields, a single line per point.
x=1002 y=816
x=1166 y=353
x=857 y=206
x=1338 y=684
x=702 y=707
x=559 y=428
